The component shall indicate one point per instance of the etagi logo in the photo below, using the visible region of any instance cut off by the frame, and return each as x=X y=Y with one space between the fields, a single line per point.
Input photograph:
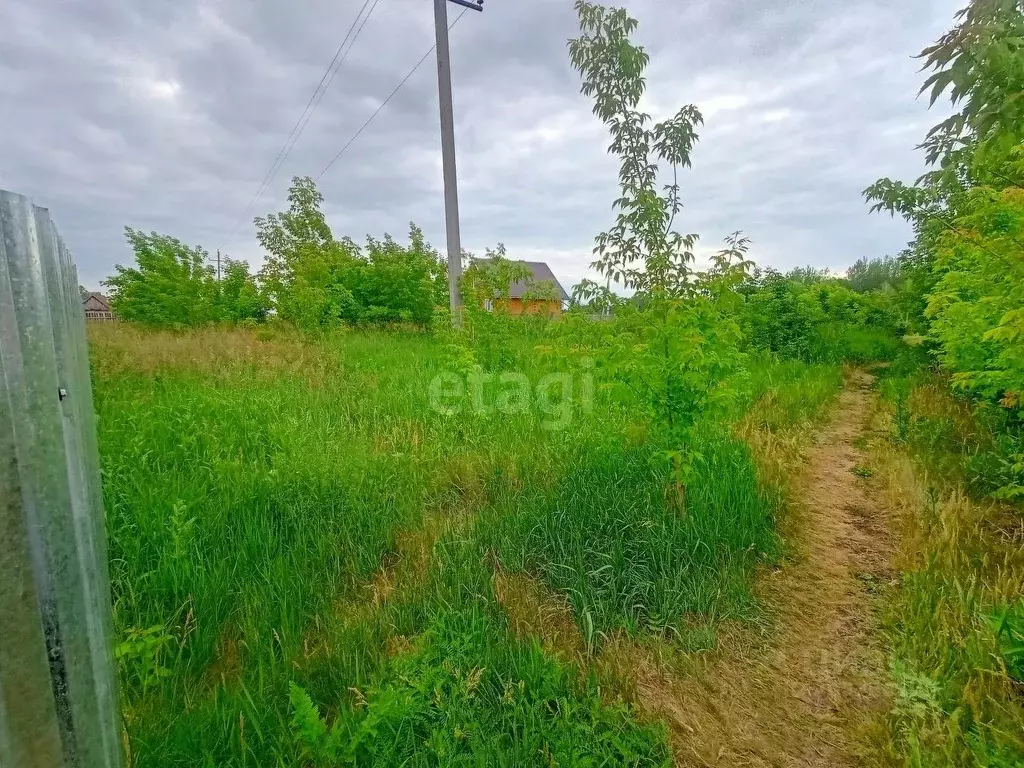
x=555 y=397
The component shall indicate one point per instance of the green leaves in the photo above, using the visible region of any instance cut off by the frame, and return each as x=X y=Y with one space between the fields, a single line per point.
x=967 y=259
x=140 y=656
x=318 y=282
x=171 y=284
x=469 y=694
x=676 y=344
x=641 y=251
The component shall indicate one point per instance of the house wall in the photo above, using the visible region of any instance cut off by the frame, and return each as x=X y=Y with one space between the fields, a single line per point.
x=532 y=307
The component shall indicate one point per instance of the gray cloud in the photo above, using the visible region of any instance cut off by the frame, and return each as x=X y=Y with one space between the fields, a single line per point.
x=166 y=115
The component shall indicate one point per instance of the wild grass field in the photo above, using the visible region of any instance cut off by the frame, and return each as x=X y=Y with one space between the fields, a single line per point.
x=955 y=624
x=291 y=517
x=706 y=514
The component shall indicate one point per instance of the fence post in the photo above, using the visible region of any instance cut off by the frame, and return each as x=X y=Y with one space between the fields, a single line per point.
x=58 y=692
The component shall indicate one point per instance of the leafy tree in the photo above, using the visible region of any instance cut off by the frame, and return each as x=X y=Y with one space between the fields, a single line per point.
x=874 y=274
x=488 y=330
x=780 y=317
x=595 y=299
x=401 y=284
x=240 y=298
x=487 y=283
x=677 y=344
x=968 y=211
x=171 y=284
x=808 y=275
x=641 y=250
x=308 y=273
x=317 y=281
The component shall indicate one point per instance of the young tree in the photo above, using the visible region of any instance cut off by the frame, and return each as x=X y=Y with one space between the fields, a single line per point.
x=308 y=274
x=171 y=284
x=317 y=281
x=401 y=284
x=678 y=343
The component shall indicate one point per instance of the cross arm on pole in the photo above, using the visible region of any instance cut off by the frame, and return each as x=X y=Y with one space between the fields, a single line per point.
x=475 y=6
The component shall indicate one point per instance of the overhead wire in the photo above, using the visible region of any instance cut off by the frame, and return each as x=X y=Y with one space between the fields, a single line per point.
x=314 y=101
x=385 y=102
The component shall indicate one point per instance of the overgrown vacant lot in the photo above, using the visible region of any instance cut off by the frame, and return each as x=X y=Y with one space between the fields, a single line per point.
x=297 y=522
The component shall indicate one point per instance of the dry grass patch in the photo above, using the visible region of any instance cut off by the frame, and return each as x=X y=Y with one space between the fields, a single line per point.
x=961 y=559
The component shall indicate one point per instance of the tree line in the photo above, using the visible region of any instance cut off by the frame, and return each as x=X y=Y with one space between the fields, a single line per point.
x=963 y=286
x=310 y=278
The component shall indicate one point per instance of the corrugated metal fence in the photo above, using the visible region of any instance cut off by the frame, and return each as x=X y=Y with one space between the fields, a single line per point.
x=58 y=696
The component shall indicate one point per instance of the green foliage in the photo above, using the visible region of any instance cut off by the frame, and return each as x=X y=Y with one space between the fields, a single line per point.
x=867 y=275
x=140 y=656
x=1008 y=624
x=171 y=284
x=677 y=344
x=954 y=620
x=318 y=282
x=593 y=298
x=817 y=320
x=256 y=481
x=976 y=443
x=641 y=250
x=977 y=304
x=309 y=274
x=608 y=538
x=397 y=284
x=490 y=336
x=967 y=259
x=470 y=695
x=487 y=283
x=240 y=298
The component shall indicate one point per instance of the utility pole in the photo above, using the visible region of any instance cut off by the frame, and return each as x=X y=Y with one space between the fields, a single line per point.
x=218 y=265
x=451 y=186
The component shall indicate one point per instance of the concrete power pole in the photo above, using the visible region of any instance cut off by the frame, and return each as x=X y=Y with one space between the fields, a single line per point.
x=451 y=186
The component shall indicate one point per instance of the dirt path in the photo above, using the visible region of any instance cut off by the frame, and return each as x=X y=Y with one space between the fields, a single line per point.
x=803 y=697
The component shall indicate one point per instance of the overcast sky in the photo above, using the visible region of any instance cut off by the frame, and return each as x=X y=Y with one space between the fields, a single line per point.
x=167 y=114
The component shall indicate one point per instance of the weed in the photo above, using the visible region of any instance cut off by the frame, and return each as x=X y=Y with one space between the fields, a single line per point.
x=954 y=621
x=292 y=511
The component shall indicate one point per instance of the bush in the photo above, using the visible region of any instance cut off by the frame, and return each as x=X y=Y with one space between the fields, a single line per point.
x=471 y=695
x=816 y=318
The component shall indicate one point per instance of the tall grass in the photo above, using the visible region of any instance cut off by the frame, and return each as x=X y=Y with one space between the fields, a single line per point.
x=260 y=486
x=605 y=536
x=956 y=620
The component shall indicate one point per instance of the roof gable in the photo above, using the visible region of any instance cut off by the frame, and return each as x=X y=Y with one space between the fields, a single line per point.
x=540 y=273
x=96 y=302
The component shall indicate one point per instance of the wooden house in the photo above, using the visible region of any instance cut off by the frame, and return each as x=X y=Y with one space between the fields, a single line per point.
x=540 y=294
x=97 y=307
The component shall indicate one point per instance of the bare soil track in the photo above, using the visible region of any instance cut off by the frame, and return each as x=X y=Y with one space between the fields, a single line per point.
x=806 y=695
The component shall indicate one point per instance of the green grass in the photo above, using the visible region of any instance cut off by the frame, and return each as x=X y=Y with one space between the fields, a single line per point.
x=605 y=536
x=255 y=482
x=955 y=622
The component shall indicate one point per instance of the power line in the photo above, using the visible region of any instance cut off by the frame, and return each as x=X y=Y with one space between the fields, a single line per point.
x=337 y=69
x=314 y=101
x=385 y=102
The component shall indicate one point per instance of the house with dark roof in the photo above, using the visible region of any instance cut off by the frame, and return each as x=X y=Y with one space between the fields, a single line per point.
x=539 y=294
x=97 y=307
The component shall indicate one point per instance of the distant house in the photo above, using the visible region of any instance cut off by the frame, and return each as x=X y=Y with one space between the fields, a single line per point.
x=97 y=307
x=541 y=294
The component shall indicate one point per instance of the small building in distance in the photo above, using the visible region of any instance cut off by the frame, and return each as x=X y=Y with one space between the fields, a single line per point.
x=541 y=294
x=97 y=306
